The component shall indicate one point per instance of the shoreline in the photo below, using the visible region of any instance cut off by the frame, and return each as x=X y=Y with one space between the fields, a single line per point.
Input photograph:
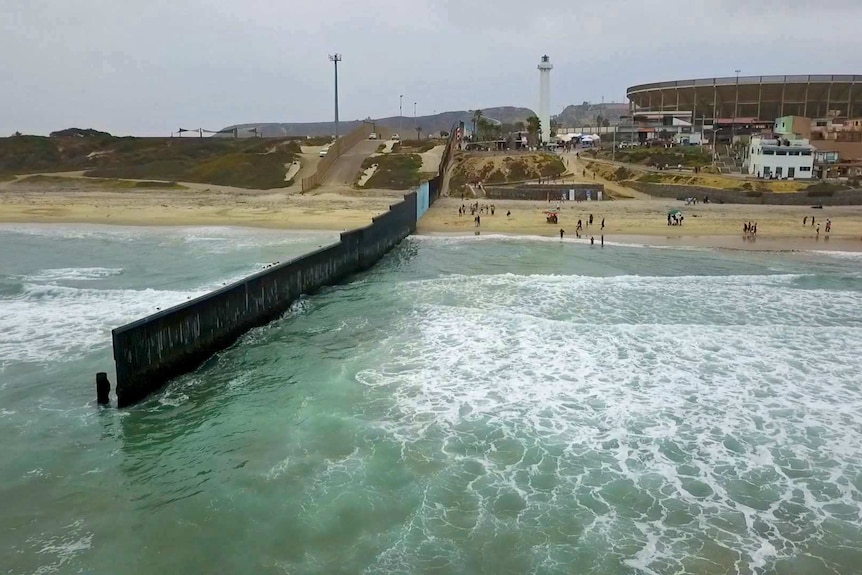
x=780 y=244
x=627 y=222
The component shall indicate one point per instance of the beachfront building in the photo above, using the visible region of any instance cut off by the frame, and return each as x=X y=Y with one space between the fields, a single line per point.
x=781 y=158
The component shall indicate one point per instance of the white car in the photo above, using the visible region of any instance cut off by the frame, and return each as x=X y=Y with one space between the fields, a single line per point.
x=324 y=151
x=396 y=138
x=372 y=136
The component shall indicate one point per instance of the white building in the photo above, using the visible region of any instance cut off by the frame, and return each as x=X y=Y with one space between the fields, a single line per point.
x=781 y=159
x=545 y=68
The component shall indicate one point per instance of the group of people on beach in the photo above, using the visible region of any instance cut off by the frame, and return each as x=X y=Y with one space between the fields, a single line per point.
x=580 y=227
x=817 y=225
x=477 y=210
x=749 y=230
x=675 y=219
x=592 y=238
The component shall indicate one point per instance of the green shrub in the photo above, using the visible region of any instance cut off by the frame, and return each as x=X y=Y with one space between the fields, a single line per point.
x=395 y=171
x=650 y=178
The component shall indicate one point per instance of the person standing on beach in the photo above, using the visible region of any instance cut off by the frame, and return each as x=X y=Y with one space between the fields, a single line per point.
x=818 y=230
x=603 y=224
x=591 y=219
x=812 y=221
x=592 y=240
x=828 y=226
x=562 y=233
x=603 y=240
x=804 y=220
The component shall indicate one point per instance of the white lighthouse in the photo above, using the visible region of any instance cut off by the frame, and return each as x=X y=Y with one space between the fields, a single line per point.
x=545 y=68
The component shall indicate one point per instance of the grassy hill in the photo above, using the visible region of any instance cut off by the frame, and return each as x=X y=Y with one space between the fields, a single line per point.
x=257 y=164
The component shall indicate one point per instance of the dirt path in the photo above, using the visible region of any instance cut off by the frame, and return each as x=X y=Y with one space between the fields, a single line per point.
x=576 y=167
x=345 y=169
x=431 y=159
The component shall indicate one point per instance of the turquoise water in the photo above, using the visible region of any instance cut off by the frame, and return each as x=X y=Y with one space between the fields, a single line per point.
x=471 y=405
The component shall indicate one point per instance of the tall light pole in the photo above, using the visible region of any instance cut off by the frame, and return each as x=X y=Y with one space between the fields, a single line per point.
x=400 y=113
x=735 y=109
x=414 y=110
x=335 y=59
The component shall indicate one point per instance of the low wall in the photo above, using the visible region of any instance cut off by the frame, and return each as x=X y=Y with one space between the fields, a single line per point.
x=677 y=192
x=336 y=150
x=151 y=351
x=545 y=193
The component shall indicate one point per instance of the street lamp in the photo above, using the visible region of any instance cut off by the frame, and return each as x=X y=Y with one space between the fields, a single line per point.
x=335 y=59
x=414 y=110
x=400 y=113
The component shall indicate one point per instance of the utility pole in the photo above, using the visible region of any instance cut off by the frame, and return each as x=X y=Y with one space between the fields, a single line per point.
x=735 y=110
x=335 y=59
x=400 y=114
x=414 y=110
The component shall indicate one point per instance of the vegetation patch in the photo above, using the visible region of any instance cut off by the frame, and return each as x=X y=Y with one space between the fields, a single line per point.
x=621 y=174
x=821 y=187
x=394 y=171
x=650 y=178
x=503 y=169
x=316 y=141
x=687 y=156
x=247 y=163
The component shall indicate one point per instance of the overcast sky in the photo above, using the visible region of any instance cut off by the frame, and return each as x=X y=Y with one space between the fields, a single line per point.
x=147 y=67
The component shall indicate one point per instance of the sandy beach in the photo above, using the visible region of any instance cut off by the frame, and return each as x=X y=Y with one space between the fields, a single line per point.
x=705 y=225
x=79 y=200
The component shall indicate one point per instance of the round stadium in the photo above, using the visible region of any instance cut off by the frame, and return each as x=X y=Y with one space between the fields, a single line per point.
x=757 y=98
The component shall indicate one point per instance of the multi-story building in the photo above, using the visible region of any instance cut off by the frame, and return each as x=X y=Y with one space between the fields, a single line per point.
x=781 y=158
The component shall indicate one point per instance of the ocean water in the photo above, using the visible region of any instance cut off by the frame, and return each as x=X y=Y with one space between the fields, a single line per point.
x=471 y=405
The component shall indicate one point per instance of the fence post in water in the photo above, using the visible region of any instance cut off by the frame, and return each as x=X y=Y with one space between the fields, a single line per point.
x=103 y=388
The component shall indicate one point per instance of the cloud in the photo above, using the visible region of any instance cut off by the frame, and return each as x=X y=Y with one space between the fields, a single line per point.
x=148 y=67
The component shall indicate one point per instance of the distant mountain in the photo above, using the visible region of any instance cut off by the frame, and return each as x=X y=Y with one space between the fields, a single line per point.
x=433 y=124
x=585 y=114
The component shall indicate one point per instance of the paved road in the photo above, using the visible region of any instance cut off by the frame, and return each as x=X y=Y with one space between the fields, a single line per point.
x=346 y=168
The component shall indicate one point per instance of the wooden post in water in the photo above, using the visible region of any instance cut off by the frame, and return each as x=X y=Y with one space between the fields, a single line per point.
x=103 y=388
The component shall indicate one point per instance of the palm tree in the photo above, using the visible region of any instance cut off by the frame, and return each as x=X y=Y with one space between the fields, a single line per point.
x=477 y=118
x=418 y=132
x=534 y=128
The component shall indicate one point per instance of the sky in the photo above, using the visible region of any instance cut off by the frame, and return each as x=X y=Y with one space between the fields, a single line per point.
x=134 y=67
